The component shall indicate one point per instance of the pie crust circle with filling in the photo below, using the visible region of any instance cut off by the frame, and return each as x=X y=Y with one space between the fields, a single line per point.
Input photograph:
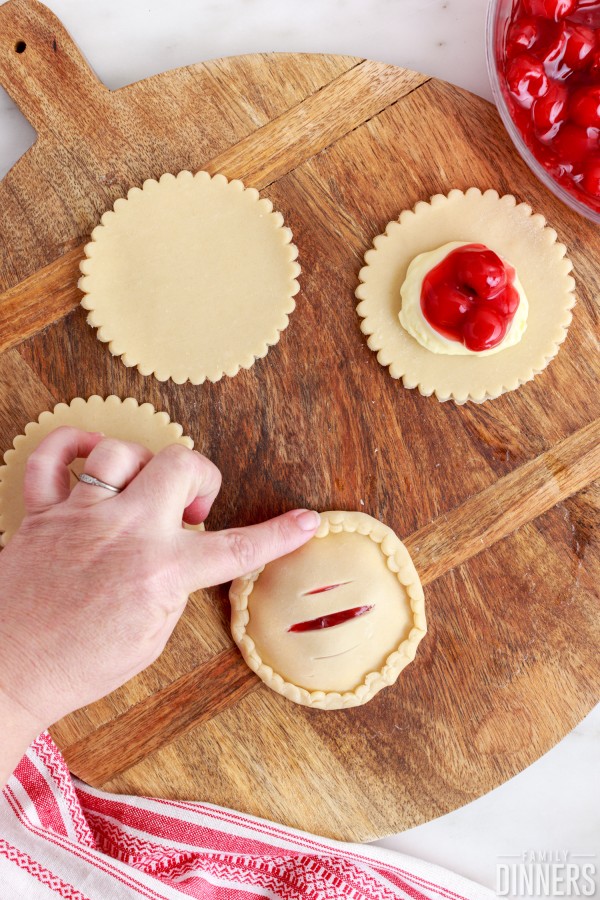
x=512 y=231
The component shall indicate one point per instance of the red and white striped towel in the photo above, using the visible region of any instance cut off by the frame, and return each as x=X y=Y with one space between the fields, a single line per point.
x=60 y=837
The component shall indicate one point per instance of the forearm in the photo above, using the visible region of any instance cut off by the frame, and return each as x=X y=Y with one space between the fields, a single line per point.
x=17 y=731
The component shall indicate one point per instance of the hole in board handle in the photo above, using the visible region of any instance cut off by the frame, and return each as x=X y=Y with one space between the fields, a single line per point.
x=20 y=47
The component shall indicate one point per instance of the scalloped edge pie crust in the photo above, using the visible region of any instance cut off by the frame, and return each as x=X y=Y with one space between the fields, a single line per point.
x=397 y=559
x=158 y=245
x=513 y=231
x=123 y=419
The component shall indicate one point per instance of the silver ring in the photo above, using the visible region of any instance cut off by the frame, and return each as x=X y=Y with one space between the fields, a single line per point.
x=89 y=479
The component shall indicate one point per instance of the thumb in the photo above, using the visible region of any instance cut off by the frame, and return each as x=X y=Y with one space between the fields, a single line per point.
x=213 y=557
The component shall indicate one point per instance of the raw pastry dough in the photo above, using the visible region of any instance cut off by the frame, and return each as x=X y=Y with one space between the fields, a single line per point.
x=123 y=419
x=515 y=234
x=190 y=278
x=355 y=570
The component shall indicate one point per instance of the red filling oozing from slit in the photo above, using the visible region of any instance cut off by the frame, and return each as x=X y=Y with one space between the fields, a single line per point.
x=329 y=587
x=328 y=621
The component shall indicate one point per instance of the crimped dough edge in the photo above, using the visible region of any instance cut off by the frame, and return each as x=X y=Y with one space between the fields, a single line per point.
x=201 y=374
x=426 y=385
x=24 y=443
x=398 y=561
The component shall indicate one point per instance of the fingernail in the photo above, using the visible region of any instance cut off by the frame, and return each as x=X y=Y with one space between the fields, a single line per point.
x=308 y=519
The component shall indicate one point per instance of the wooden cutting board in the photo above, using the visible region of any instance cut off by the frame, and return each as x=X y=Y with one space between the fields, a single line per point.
x=496 y=502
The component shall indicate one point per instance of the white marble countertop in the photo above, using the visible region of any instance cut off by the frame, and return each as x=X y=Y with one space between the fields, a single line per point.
x=555 y=804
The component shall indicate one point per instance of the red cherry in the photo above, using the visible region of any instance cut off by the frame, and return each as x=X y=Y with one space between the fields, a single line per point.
x=573 y=143
x=482 y=329
x=585 y=106
x=526 y=79
x=590 y=181
x=569 y=50
x=554 y=52
x=594 y=69
x=525 y=34
x=550 y=111
x=580 y=42
x=481 y=271
x=508 y=302
x=550 y=9
x=445 y=305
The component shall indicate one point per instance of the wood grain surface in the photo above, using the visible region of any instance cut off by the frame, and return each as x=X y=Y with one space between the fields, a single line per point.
x=498 y=503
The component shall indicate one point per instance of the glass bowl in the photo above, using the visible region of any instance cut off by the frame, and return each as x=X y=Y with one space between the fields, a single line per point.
x=498 y=16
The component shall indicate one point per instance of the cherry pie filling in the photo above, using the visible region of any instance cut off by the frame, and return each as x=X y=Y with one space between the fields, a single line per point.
x=331 y=619
x=470 y=297
x=551 y=69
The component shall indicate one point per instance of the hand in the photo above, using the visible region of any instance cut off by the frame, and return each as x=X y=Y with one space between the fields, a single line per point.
x=93 y=582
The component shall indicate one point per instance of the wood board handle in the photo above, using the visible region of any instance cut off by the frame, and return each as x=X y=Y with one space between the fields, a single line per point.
x=44 y=72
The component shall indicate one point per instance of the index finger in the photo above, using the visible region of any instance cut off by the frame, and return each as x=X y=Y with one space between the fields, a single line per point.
x=47 y=477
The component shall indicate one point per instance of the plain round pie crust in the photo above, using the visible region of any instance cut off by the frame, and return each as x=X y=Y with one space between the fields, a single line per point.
x=512 y=231
x=122 y=419
x=191 y=277
x=353 y=562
